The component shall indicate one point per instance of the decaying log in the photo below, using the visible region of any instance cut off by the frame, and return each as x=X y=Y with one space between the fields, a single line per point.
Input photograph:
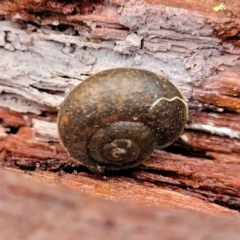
x=31 y=210
x=48 y=47
x=200 y=179
x=64 y=44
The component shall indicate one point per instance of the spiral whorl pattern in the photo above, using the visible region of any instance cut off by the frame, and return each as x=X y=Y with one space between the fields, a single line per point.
x=122 y=142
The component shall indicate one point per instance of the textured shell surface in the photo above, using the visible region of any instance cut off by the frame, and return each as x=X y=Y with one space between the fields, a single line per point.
x=94 y=112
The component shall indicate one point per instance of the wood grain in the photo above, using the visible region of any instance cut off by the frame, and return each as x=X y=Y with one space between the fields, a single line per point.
x=164 y=176
x=48 y=47
x=38 y=210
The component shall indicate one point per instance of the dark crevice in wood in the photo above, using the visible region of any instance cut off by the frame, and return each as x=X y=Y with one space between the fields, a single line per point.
x=186 y=151
x=204 y=193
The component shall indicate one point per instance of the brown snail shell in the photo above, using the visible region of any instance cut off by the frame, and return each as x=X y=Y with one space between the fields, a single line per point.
x=116 y=118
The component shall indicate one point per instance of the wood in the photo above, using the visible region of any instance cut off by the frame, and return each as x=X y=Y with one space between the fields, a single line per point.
x=50 y=46
x=38 y=210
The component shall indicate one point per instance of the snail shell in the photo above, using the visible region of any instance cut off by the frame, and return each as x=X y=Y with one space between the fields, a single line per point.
x=116 y=118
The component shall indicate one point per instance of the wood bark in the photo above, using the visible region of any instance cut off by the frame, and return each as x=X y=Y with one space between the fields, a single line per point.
x=48 y=47
x=33 y=210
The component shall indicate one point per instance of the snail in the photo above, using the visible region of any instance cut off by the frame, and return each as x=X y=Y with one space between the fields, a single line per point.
x=116 y=118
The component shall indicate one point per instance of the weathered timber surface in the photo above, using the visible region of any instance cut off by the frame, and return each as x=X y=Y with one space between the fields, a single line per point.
x=51 y=46
x=33 y=210
x=164 y=179
x=48 y=47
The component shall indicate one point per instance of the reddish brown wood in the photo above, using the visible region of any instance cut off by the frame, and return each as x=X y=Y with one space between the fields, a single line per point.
x=199 y=174
x=206 y=142
x=175 y=180
x=37 y=210
x=192 y=177
x=127 y=190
